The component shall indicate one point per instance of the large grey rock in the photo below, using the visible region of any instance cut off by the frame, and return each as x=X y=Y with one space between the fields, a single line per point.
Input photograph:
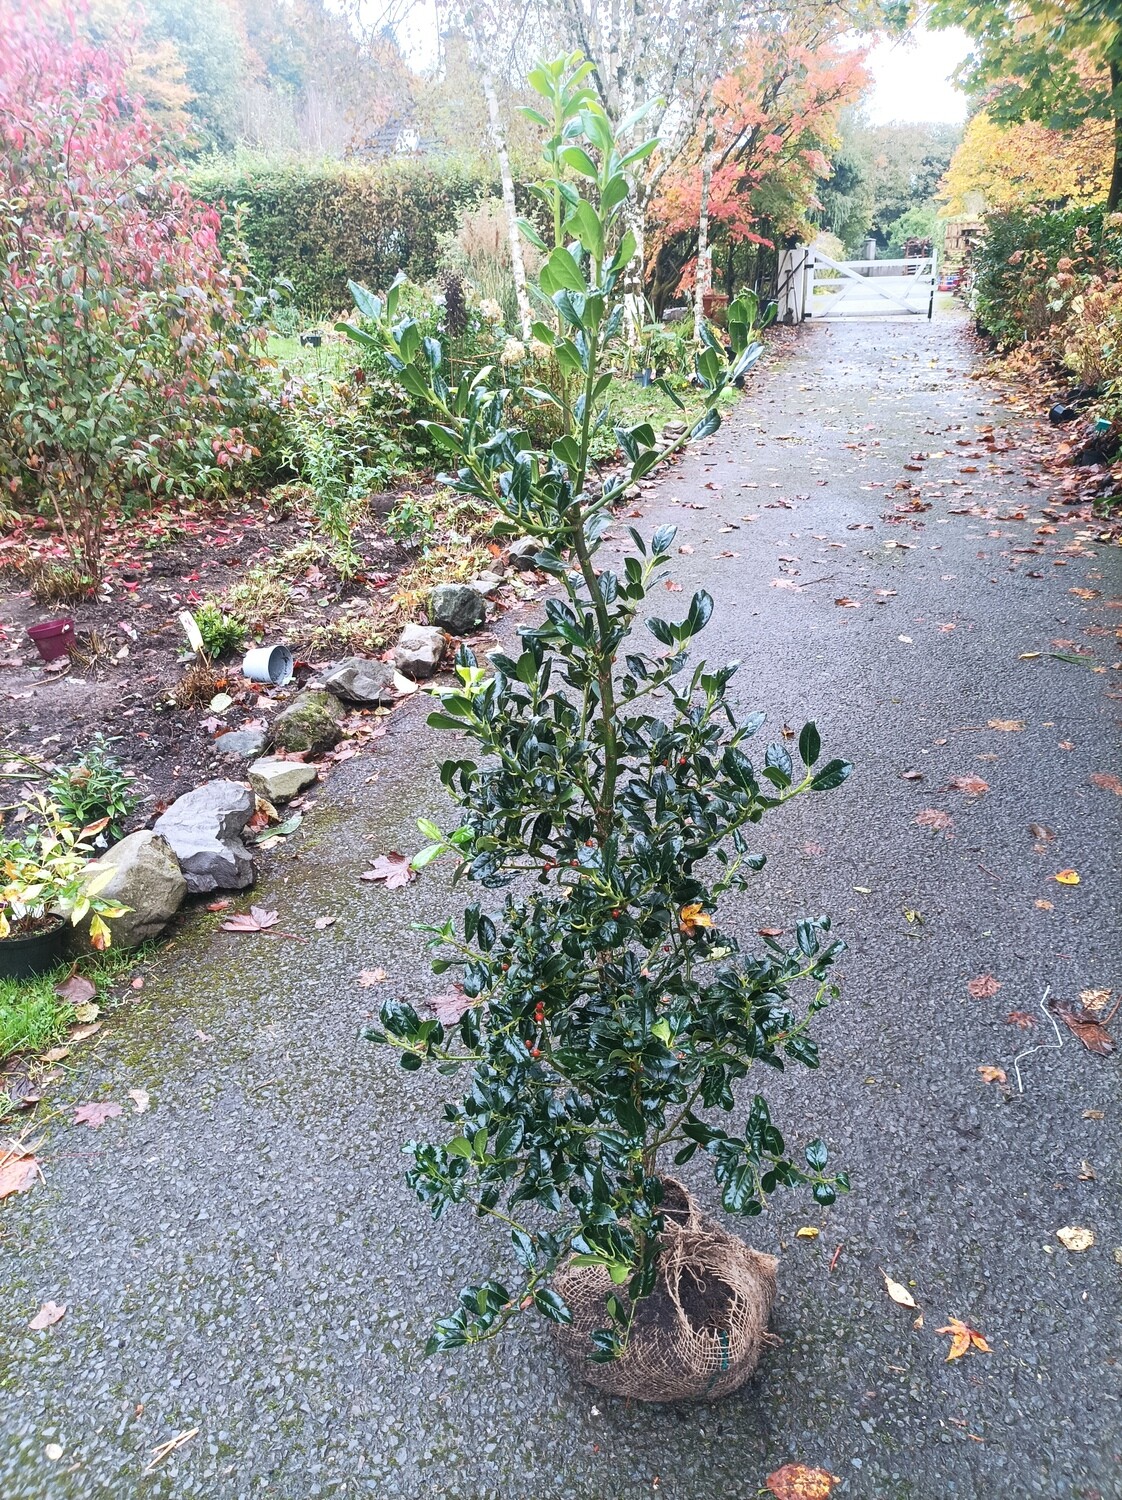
x=359 y=680
x=240 y=745
x=523 y=552
x=204 y=829
x=147 y=879
x=310 y=723
x=280 y=780
x=457 y=607
x=419 y=651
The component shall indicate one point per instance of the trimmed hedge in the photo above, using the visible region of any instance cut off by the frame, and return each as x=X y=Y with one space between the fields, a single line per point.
x=317 y=226
x=1022 y=251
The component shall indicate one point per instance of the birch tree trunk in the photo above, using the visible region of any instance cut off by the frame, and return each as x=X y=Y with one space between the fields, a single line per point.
x=703 y=279
x=518 y=265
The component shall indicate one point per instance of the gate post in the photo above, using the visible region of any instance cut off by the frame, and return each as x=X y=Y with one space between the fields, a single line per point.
x=796 y=268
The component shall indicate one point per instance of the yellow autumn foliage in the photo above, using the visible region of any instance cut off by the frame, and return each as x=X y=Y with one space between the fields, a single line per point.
x=1010 y=166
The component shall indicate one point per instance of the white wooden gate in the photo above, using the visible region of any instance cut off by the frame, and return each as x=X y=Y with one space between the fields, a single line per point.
x=871 y=288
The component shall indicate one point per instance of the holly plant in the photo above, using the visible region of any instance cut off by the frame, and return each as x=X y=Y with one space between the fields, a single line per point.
x=603 y=1015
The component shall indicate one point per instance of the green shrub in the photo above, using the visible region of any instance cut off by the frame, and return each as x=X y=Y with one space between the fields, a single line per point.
x=96 y=786
x=314 y=226
x=221 y=632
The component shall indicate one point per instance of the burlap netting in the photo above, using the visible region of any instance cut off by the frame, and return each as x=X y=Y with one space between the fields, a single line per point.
x=701 y=1331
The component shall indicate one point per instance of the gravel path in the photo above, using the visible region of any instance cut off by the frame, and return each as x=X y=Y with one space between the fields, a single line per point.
x=244 y=1260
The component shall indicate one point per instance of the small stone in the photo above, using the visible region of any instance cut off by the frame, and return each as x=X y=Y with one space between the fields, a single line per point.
x=360 y=680
x=523 y=552
x=309 y=724
x=419 y=651
x=146 y=879
x=632 y=492
x=204 y=830
x=240 y=745
x=280 y=780
x=457 y=607
x=486 y=583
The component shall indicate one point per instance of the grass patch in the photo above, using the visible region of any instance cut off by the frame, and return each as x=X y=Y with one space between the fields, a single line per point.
x=33 y=1017
x=630 y=404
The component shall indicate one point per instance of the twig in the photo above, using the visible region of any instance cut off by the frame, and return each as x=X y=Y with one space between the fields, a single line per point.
x=1040 y=1046
x=834 y=1257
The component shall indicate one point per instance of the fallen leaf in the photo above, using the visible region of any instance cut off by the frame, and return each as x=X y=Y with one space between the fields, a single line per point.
x=1066 y=877
x=963 y=1337
x=83 y=1033
x=87 y=1012
x=898 y=1292
x=934 y=817
x=1095 y=1001
x=56 y=1054
x=53 y=1451
x=256 y=919
x=1084 y=593
x=973 y=786
x=450 y=1007
x=1086 y=1172
x=17 y=1173
x=324 y=922
x=49 y=1314
x=848 y=603
x=912 y=775
x=367 y=977
x=77 y=989
x=1076 y=1238
x=1042 y=905
x=223 y=905
x=1021 y=1018
x=691 y=918
x=1007 y=724
x=393 y=868
x=992 y=1075
x=984 y=986
x=1041 y=834
x=95 y=1115
x=140 y=1100
x=807 y=1232
x=1094 y=1114
x=1088 y=1028
x=770 y=931
x=800 y=1482
x=1108 y=781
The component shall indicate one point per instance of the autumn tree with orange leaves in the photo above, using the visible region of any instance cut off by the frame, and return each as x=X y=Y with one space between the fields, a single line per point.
x=775 y=117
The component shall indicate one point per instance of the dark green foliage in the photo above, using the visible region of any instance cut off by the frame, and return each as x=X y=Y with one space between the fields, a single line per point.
x=95 y=786
x=1021 y=253
x=602 y=1012
x=315 y=226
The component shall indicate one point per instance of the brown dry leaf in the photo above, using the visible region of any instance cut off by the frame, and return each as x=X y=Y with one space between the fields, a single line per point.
x=848 y=603
x=1042 y=905
x=392 y=868
x=1076 y=1238
x=1085 y=593
x=140 y=1100
x=87 y=1012
x=691 y=918
x=897 y=1291
x=984 y=986
x=1088 y=1028
x=17 y=1171
x=1041 y=833
x=686 y=550
x=801 y=1482
x=223 y=905
x=672 y=587
x=1066 y=877
x=770 y=931
x=324 y=922
x=83 y=1033
x=450 y=1007
x=56 y=1054
x=973 y=786
x=77 y=989
x=95 y=1115
x=1021 y=1018
x=963 y=1337
x=49 y=1314
x=934 y=817
x=912 y=775
x=1108 y=781
x=992 y=1075
x=367 y=977
x=256 y=919
x=1006 y=724
x=1095 y=1001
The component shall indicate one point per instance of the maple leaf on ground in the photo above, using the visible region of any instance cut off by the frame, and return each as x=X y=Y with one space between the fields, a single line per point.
x=392 y=868
x=992 y=1075
x=47 y=1316
x=95 y=1115
x=1066 y=877
x=934 y=817
x=17 y=1171
x=1021 y=1018
x=801 y=1482
x=963 y=1337
x=256 y=919
x=450 y=1007
x=367 y=977
x=77 y=989
x=973 y=786
x=984 y=986
x=1108 y=781
x=1085 y=1025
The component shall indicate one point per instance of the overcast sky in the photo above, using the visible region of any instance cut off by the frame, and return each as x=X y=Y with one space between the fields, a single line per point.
x=911 y=78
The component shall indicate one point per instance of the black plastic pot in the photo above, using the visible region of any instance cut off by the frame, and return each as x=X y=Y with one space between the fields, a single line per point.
x=24 y=957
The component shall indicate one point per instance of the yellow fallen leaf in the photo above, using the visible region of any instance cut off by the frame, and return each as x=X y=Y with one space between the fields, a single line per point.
x=897 y=1292
x=1029 y=655
x=807 y=1232
x=692 y=917
x=1075 y=1237
x=1066 y=877
x=963 y=1337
